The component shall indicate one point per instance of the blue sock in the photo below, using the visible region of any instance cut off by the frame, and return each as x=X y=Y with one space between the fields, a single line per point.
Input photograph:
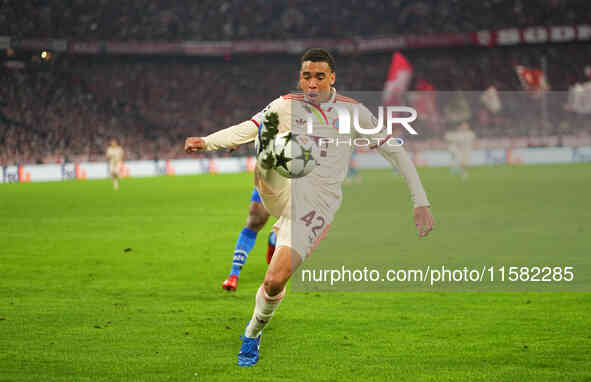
x=272 y=238
x=244 y=245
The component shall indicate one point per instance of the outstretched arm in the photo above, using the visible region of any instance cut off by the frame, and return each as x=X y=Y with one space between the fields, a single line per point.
x=233 y=136
x=400 y=159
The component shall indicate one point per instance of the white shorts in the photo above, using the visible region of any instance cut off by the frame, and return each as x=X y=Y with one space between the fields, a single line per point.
x=307 y=223
x=300 y=237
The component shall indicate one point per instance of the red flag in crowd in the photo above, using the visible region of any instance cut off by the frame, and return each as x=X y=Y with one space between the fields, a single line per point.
x=532 y=79
x=399 y=77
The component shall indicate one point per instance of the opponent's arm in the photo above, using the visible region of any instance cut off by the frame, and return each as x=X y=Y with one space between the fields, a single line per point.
x=233 y=136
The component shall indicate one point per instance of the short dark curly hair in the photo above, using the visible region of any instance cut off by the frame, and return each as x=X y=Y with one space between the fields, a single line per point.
x=319 y=55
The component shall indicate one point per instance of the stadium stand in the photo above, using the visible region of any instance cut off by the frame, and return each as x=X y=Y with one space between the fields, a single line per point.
x=66 y=107
x=281 y=19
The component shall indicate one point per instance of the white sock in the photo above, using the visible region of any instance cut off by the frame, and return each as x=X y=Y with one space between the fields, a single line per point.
x=263 y=311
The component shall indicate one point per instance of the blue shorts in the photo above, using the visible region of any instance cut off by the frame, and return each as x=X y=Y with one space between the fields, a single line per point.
x=255 y=197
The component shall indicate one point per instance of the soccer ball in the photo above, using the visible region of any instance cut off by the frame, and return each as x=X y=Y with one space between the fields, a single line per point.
x=294 y=155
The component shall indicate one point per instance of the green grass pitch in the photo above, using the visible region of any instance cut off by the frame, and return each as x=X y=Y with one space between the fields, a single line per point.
x=97 y=285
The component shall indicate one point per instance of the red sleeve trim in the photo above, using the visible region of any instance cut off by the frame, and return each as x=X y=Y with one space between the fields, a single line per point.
x=342 y=98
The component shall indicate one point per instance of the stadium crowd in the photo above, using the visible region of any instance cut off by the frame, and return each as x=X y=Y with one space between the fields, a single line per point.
x=70 y=107
x=280 y=19
x=67 y=108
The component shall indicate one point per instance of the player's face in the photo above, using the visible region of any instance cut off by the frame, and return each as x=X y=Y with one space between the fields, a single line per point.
x=316 y=78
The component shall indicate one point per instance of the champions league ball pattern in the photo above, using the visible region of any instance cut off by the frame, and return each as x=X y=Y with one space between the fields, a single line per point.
x=295 y=155
x=291 y=155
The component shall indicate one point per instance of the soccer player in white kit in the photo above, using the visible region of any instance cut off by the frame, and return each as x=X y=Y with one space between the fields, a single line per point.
x=115 y=155
x=305 y=207
x=460 y=145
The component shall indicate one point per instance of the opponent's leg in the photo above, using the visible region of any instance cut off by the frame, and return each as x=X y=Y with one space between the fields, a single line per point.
x=257 y=218
x=271 y=243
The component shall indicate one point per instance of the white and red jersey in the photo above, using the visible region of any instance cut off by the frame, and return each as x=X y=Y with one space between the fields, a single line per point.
x=324 y=183
x=335 y=148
